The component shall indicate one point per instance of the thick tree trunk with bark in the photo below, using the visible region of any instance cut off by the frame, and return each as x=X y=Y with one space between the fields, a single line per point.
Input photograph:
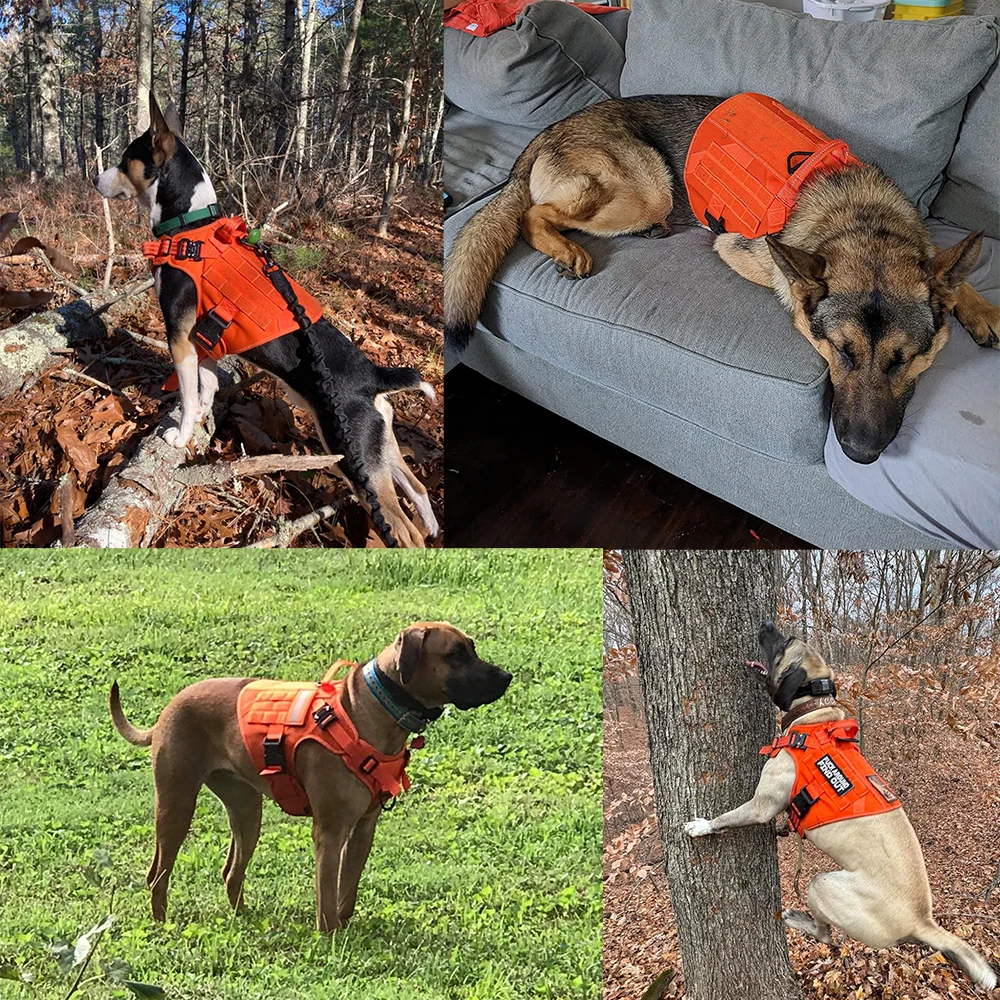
x=695 y=622
x=307 y=30
x=48 y=90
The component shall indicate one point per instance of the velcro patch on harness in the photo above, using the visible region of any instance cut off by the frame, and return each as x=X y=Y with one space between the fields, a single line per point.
x=882 y=788
x=837 y=779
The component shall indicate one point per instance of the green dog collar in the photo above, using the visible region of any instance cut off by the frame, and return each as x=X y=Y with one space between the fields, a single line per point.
x=212 y=212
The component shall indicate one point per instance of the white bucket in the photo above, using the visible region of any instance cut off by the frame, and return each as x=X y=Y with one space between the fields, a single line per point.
x=846 y=10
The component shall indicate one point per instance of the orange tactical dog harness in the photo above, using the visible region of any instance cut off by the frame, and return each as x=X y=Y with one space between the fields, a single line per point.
x=244 y=298
x=832 y=780
x=748 y=160
x=276 y=716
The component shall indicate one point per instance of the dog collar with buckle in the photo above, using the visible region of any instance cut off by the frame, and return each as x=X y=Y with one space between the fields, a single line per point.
x=406 y=710
x=212 y=212
x=813 y=705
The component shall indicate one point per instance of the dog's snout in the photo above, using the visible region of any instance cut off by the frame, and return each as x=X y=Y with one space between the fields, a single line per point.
x=766 y=627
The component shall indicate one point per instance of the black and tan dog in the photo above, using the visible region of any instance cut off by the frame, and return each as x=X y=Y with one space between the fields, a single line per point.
x=854 y=264
x=321 y=369
x=881 y=896
x=197 y=741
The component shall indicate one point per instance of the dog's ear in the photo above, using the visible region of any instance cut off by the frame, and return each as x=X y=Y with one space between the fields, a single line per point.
x=164 y=141
x=410 y=652
x=949 y=268
x=172 y=119
x=791 y=680
x=804 y=271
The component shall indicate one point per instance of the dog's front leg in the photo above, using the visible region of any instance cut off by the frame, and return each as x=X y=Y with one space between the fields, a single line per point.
x=772 y=795
x=980 y=318
x=353 y=863
x=208 y=386
x=329 y=842
x=179 y=303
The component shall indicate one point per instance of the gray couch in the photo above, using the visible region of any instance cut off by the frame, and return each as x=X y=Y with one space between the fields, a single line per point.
x=667 y=352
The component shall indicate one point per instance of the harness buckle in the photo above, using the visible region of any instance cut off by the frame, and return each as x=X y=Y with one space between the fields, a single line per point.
x=209 y=331
x=368 y=765
x=323 y=716
x=802 y=803
x=274 y=753
x=797 y=740
x=188 y=249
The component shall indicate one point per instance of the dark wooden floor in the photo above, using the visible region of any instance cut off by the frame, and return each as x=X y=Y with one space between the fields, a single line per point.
x=517 y=475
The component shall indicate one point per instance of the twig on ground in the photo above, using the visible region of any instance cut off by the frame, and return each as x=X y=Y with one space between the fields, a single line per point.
x=143 y=339
x=72 y=373
x=290 y=530
x=244 y=384
x=259 y=465
x=39 y=254
x=66 y=510
x=128 y=290
x=107 y=223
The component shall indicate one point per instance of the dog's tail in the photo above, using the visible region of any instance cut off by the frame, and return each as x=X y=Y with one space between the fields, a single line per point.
x=959 y=953
x=478 y=250
x=137 y=737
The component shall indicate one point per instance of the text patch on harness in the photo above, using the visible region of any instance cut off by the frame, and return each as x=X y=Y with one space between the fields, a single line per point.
x=833 y=774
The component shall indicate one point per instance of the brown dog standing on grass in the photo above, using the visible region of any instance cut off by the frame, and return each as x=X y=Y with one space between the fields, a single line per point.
x=197 y=741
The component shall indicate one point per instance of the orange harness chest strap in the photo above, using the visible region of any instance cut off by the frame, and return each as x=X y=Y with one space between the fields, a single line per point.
x=276 y=716
x=748 y=160
x=239 y=307
x=833 y=782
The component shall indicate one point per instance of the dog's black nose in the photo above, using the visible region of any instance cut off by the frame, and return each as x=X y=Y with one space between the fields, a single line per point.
x=766 y=627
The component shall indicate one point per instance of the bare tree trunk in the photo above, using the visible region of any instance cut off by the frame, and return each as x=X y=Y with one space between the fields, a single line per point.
x=186 y=58
x=695 y=621
x=144 y=62
x=287 y=76
x=344 y=80
x=307 y=31
x=398 y=150
x=48 y=87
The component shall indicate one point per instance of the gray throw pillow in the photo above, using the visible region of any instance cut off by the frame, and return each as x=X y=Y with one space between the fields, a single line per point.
x=894 y=90
x=553 y=61
x=970 y=196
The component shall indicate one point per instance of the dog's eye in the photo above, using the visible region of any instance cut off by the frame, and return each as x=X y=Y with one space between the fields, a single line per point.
x=846 y=357
x=895 y=365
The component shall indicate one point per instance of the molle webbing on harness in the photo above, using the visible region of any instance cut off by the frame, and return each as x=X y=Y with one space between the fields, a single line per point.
x=276 y=716
x=748 y=160
x=239 y=307
x=833 y=781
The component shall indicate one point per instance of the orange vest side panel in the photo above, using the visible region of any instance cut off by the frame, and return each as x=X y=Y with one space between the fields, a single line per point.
x=833 y=782
x=748 y=159
x=285 y=713
x=230 y=275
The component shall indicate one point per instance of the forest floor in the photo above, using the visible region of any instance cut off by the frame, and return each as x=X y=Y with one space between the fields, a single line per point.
x=484 y=880
x=383 y=294
x=948 y=779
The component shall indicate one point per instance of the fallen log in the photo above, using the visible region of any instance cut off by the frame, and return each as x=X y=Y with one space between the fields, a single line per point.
x=27 y=349
x=132 y=506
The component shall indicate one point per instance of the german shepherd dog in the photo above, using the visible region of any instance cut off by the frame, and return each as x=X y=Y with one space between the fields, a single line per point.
x=854 y=264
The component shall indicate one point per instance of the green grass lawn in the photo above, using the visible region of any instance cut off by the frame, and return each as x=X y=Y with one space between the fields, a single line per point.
x=484 y=882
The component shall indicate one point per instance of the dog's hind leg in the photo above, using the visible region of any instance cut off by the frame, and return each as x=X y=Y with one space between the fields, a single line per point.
x=859 y=907
x=175 y=802
x=541 y=228
x=750 y=259
x=979 y=317
x=801 y=921
x=243 y=806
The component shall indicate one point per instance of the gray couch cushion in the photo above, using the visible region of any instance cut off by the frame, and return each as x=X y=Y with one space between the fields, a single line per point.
x=970 y=195
x=942 y=473
x=895 y=90
x=665 y=321
x=554 y=60
x=478 y=154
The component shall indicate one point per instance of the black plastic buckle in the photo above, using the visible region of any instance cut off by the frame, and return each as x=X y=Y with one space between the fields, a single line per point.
x=274 y=753
x=188 y=249
x=797 y=741
x=323 y=716
x=368 y=765
x=802 y=803
x=716 y=225
x=387 y=801
x=791 y=156
x=209 y=331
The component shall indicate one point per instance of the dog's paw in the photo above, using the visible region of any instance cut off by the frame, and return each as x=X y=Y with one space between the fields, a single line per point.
x=698 y=828
x=172 y=435
x=657 y=232
x=577 y=264
x=799 y=920
x=983 y=325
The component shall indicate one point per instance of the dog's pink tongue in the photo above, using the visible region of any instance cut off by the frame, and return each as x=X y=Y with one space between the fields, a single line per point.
x=757 y=665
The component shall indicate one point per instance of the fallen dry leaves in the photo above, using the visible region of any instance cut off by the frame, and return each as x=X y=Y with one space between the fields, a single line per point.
x=383 y=294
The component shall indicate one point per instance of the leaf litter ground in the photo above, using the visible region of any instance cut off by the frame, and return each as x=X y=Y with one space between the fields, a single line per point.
x=383 y=294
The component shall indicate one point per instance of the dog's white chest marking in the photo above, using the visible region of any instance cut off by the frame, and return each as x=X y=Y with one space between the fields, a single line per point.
x=148 y=199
